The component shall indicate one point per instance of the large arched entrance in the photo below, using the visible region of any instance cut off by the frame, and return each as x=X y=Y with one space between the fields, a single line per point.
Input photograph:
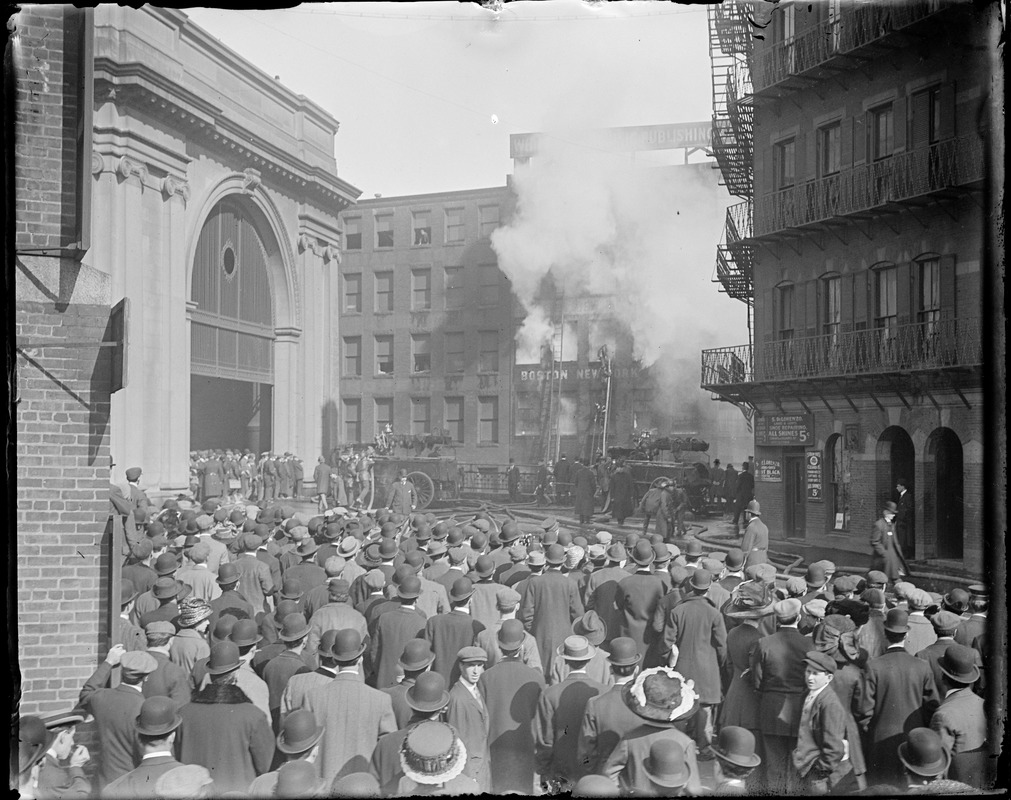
x=895 y=459
x=943 y=494
x=232 y=331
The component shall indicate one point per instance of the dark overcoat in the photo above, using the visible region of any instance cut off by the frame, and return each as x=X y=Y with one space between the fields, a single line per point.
x=696 y=627
x=393 y=630
x=557 y=724
x=276 y=674
x=584 y=485
x=848 y=684
x=139 y=783
x=885 y=549
x=960 y=721
x=740 y=708
x=932 y=655
x=606 y=721
x=448 y=634
x=777 y=672
x=212 y=478
x=115 y=712
x=755 y=544
x=600 y=591
x=636 y=598
x=549 y=605
x=385 y=762
x=511 y=690
x=626 y=765
x=469 y=717
x=622 y=494
x=169 y=680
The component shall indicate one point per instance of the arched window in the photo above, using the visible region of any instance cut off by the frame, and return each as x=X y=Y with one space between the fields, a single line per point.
x=837 y=483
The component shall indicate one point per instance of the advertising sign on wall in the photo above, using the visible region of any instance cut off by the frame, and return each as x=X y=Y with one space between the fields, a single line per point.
x=784 y=430
x=814 y=490
x=769 y=470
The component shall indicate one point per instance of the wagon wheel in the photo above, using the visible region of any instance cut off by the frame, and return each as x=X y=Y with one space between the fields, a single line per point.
x=424 y=487
x=656 y=482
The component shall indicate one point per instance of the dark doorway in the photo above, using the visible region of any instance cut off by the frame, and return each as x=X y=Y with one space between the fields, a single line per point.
x=895 y=459
x=795 y=483
x=227 y=414
x=944 y=493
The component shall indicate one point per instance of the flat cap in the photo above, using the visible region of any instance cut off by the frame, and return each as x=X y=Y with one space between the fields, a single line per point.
x=785 y=609
x=472 y=654
x=139 y=662
x=506 y=598
x=820 y=661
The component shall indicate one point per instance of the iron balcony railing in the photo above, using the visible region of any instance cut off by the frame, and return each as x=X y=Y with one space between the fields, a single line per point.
x=854 y=28
x=904 y=176
x=933 y=344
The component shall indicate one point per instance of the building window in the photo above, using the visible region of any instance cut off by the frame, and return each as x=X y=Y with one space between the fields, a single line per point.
x=353 y=293
x=925 y=117
x=454 y=288
x=454 y=352
x=831 y=311
x=421 y=352
x=421 y=289
x=353 y=355
x=454 y=418
x=829 y=149
x=527 y=414
x=786 y=163
x=489 y=220
x=487 y=428
x=929 y=311
x=384 y=355
x=421 y=416
x=353 y=234
x=568 y=407
x=882 y=132
x=384 y=413
x=384 y=230
x=488 y=361
x=352 y=421
x=886 y=310
x=489 y=296
x=384 y=292
x=784 y=311
x=454 y=225
x=421 y=226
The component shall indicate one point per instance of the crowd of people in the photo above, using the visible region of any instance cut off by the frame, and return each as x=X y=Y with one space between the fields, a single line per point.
x=263 y=652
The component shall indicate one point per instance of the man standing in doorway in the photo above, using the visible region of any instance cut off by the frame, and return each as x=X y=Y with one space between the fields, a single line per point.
x=905 y=515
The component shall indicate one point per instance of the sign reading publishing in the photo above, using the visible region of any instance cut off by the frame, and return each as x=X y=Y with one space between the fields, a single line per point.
x=628 y=139
x=785 y=430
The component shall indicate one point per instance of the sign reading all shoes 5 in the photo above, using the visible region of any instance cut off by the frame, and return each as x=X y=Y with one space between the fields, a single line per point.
x=784 y=430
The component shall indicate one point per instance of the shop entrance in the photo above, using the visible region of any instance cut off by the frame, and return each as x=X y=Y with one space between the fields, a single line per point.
x=944 y=493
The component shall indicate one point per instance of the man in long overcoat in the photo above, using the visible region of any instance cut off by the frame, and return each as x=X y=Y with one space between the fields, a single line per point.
x=905 y=517
x=696 y=628
x=549 y=605
x=448 y=633
x=468 y=714
x=511 y=690
x=584 y=485
x=393 y=629
x=755 y=544
x=637 y=596
x=601 y=588
x=622 y=490
x=885 y=549
x=212 y=478
x=321 y=476
x=960 y=720
x=403 y=497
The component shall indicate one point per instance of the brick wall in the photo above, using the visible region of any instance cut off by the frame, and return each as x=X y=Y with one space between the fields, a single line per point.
x=63 y=399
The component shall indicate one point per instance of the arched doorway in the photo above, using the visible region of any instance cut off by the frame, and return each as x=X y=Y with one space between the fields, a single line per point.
x=943 y=493
x=837 y=484
x=895 y=458
x=232 y=331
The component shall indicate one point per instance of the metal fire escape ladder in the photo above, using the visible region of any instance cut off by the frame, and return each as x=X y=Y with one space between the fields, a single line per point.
x=548 y=412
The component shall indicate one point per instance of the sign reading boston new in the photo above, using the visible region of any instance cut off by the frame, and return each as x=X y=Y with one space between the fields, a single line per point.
x=784 y=430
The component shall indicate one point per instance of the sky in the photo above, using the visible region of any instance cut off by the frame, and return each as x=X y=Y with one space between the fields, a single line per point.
x=427 y=95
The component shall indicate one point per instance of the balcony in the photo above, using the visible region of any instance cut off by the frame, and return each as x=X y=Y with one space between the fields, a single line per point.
x=947 y=167
x=783 y=65
x=934 y=345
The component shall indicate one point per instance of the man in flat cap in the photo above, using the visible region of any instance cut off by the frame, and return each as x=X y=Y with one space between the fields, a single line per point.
x=899 y=694
x=138 y=497
x=821 y=758
x=468 y=714
x=168 y=679
x=55 y=779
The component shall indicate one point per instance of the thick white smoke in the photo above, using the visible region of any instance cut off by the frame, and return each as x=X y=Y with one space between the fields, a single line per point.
x=601 y=224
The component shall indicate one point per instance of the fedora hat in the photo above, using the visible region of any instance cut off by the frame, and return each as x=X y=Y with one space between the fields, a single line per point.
x=127 y=592
x=157 y=717
x=923 y=754
x=511 y=636
x=590 y=626
x=307 y=547
x=224 y=658
x=959 y=664
x=461 y=589
x=293 y=628
x=616 y=552
x=432 y=753
x=227 y=574
x=576 y=648
x=348 y=547
x=244 y=633
x=416 y=656
x=299 y=732
x=165 y=588
x=665 y=765
x=428 y=693
x=736 y=746
x=347 y=646
x=624 y=652
x=661 y=696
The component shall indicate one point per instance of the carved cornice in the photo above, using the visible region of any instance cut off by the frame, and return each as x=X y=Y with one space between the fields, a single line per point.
x=126 y=167
x=328 y=251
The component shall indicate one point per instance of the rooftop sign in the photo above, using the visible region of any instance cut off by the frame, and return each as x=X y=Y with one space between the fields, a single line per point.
x=674 y=136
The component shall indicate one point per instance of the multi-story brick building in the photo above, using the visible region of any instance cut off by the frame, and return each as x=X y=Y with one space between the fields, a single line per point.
x=856 y=136
x=426 y=322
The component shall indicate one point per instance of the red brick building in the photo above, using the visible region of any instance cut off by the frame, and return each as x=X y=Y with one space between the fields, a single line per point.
x=856 y=136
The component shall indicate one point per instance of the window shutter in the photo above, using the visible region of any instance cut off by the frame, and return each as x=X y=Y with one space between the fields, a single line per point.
x=914 y=290
x=819 y=305
x=861 y=290
x=903 y=301
x=765 y=322
x=846 y=302
x=946 y=124
x=811 y=290
x=920 y=122
x=899 y=123
x=948 y=287
x=859 y=138
x=799 y=309
x=812 y=157
x=846 y=143
x=765 y=183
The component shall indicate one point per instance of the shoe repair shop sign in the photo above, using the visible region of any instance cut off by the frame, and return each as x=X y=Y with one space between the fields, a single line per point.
x=784 y=430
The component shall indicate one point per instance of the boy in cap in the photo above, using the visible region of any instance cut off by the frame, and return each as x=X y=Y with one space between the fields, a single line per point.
x=821 y=758
x=468 y=714
x=55 y=779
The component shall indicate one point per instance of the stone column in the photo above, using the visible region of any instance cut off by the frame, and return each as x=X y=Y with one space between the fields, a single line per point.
x=288 y=390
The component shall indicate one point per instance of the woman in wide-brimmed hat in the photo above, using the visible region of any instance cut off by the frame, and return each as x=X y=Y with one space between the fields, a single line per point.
x=433 y=757
x=750 y=602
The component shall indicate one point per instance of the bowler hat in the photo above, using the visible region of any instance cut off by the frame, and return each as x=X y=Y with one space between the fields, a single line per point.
x=923 y=754
x=348 y=645
x=815 y=576
x=624 y=652
x=822 y=662
x=165 y=588
x=325 y=646
x=576 y=648
x=410 y=587
x=387 y=549
x=510 y=532
x=736 y=746
x=244 y=633
x=127 y=592
x=307 y=548
x=428 y=693
x=665 y=765
x=299 y=732
x=224 y=658
x=511 y=635
x=484 y=567
x=34 y=740
x=228 y=574
x=735 y=559
x=897 y=620
x=591 y=626
x=957 y=600
x=959 y=664
x=166 y=564
x=297 y=779
x=158 y=717
x=437 y=548
x=283 y=609
x=555 y=554
x=701 y=579
x=417 y=655
x=291 y=589
x=223 y=628
x=693 y=549
x=293 y=628
x=642 y=553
